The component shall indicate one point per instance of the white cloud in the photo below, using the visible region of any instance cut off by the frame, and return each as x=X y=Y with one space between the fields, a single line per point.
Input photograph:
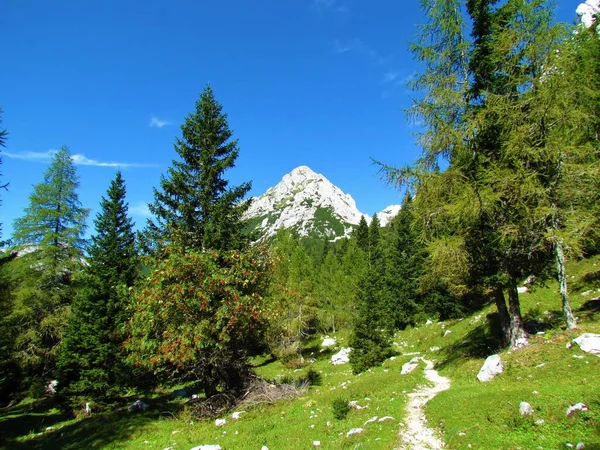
x=390 y=76
x=31 y=156
x=155 y=122
x=329 y=6
x=78 y=159
x=358 y=46
x=140 y=209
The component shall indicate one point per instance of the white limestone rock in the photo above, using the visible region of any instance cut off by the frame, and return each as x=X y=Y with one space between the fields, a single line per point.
x=207 y=447
x=328 y=342
x=525 y=409
x=410 y=366
x=355 y=431
x=341 y=357
x=589 y=343
x=576 y=408
x=586 y=12
x=491 y=367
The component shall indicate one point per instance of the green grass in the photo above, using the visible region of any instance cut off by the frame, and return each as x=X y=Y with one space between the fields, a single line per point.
x=484 y=415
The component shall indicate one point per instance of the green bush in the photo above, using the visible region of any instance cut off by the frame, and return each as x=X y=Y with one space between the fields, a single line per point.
x=340 y=407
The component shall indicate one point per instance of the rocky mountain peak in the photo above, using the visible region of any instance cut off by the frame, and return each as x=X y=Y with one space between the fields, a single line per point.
x=309 y=203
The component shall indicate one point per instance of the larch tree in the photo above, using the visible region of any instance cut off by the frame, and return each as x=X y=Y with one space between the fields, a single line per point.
x=195 y=201
x=3 y=136
x=91 y=357
x=51 y=232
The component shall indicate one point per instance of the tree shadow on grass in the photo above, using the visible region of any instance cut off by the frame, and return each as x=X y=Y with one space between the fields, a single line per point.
x=98 y=431
x=590 y=310
x=482 y=341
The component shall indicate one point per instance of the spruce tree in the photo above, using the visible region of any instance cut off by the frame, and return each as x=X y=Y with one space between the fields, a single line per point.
x=370 y=339
x=362 y=234
x=91 y=357
x=195 y=202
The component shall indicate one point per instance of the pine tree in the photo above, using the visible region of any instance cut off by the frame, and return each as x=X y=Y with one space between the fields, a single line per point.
x=91 y=356
x=195 y=202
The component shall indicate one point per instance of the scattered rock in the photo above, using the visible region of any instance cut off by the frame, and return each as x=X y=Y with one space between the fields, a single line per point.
x=341 y=357
x=354 y=431
x=529 y=281
x=540 y=422
x=386 y=419
x=328 y=342
x=264 y=447
x=491 y=367
x=580 y=446
x=522 y=289
x=447 y=333
x=589 y=343
x=316 y=444
x=138 y=405
x=236 y=415
x=539 y=366
x=354 y=404
x=51 y=387
x=462 y=434
x=178 y=393
x=410 y=366
x=220 y=422
x=207 y=447
x=429 y=322
x=577 y=407
x=586 y=293
x=525 y=409
x=434 y=349
x=371 y=420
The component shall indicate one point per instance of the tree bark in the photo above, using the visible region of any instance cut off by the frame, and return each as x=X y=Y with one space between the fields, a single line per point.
x=562 y=281
x=518 y=336
x=503 y=313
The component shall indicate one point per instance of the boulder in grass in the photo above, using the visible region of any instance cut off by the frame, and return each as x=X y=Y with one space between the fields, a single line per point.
x=138 y=405
x=410 y=366
x=328 y=342
x=576 y=408
x=491 y=367
x=589 y=343
x=522 y=289
x=355 y=431
x=220 y=422
x=525 y=409
x=207 y=447
x=341 y=357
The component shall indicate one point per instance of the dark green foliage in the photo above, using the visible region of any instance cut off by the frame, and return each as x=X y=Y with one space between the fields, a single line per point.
x=195 y=202
x=91 y=358
x=340 y=407
x=362 y=235
x=371 y=338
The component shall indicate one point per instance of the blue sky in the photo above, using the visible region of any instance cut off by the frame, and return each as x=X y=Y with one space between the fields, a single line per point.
x=304 y=82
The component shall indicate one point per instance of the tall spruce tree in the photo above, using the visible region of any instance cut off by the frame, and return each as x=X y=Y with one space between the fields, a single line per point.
x=370 y=339
x=91 y=356
x=362 y=234
x=195 y=202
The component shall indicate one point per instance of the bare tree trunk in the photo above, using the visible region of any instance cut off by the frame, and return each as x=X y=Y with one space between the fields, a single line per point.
x=503 y=313
x=518 y=336
x=562 y=280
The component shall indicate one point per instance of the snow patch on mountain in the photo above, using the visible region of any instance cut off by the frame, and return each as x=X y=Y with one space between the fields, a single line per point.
x=309 y=203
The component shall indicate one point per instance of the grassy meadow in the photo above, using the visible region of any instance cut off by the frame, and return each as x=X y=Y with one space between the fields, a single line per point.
x=471 y=414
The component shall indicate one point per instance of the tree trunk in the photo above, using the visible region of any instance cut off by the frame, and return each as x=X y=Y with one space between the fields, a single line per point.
x=562 y=280
x=503 y=313
x=518 y=336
